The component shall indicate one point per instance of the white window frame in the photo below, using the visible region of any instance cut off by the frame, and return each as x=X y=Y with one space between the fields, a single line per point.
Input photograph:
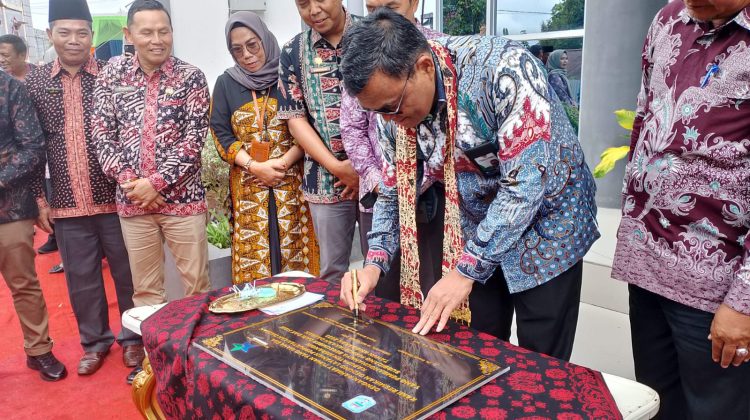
x=491 y=22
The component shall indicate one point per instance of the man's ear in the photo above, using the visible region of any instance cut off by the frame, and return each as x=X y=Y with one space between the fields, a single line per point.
x=128 y=35
x=425 y=64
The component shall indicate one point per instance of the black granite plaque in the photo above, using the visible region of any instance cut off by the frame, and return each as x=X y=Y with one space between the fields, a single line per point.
x=340 y=367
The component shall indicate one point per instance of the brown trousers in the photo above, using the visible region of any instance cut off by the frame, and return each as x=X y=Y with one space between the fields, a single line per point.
x=17 y=267
x=186 y=238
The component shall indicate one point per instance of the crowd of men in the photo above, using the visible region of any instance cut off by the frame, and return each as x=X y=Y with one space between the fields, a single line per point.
x=455 y=156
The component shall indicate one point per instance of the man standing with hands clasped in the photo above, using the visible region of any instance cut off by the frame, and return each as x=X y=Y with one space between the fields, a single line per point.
x=150 y=125
x=83 y=198
x=683 y=243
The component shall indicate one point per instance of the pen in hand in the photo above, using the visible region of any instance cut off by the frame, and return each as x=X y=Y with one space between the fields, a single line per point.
x=355 y=286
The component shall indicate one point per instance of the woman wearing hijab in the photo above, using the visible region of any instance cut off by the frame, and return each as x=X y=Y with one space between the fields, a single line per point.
x=557 y=66
x=272 y=228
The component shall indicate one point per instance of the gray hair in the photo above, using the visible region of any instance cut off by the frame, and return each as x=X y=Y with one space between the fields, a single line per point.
x=384 y=41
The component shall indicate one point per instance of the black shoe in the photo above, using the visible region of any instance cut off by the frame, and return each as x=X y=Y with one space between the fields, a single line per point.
x=49 y=247
x=50 y=369
x=131 y=376
x=57 y=269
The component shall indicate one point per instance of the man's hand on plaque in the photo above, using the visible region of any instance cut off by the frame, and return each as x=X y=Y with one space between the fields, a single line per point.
x=443 y=298
x=368 y=279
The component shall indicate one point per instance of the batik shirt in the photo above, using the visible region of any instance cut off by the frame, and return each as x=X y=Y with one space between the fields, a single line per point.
x=153 y=127
x=686 y=203
x=21 y=151
x=534 y=218
x=310 y=85
x=65 y=104
x=360 y=137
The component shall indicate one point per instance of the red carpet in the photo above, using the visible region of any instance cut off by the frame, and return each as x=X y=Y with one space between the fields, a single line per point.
x=23 y=394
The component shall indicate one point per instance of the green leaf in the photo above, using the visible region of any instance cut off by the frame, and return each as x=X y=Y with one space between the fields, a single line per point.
x=218 y=231
x=625 y=118
x=608 y=160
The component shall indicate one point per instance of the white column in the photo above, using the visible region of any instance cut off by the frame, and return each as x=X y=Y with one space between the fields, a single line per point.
x=611 y=77
x=199 y=31
x=355 y=7
x=199 y=35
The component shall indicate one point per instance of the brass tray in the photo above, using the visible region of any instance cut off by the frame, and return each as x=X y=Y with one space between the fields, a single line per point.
x=231 y=303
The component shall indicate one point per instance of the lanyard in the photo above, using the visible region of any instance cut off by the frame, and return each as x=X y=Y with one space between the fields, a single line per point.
x=260 y=115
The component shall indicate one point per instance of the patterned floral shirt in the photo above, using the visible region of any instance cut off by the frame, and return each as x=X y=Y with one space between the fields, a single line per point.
x=65 y=105
x=535 y=218
x=153 y=127
x=310 y=83
x=360 y=136
x=686 y=202
x=21 y=151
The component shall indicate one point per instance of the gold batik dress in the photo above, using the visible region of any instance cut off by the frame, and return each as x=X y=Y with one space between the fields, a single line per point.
x=251 y=244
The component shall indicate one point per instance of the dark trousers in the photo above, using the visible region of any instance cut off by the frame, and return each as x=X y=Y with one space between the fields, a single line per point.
x=83 y=241
x=673 y=356
x=546 y=316
x=430 y=243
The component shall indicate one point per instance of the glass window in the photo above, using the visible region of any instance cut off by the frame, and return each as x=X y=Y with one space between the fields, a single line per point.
x=518 y=17
x=464 y=17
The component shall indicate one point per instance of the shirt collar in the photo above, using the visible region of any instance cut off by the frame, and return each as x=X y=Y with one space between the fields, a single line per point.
x=90 y=67
x=167 y=68
x=316 y=37
x=439 y=92
x=742 y=19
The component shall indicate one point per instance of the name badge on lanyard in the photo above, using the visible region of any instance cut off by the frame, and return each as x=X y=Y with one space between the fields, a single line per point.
x=260 y=151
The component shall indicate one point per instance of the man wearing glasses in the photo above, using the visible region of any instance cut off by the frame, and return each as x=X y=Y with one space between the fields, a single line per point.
x=476 y=115
x=360 y=137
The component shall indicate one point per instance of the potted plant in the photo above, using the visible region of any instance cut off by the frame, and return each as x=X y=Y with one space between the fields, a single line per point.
x=610 y=156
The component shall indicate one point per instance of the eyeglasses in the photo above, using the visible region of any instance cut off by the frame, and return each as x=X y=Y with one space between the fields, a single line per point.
x=385 y=111
x=253 y=47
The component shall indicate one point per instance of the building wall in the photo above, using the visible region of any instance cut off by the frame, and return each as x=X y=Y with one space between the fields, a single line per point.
x=611 y=77
x=199 y=31
x=36 y=40
x=195 y=25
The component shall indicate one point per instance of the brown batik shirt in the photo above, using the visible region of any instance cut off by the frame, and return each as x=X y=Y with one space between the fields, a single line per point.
x=65 y=104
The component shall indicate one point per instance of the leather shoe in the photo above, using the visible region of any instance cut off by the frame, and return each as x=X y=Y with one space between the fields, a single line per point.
x=50 y=369
x=131 y=376
x=57 y=269
x=91 y=362
x=49 y=247
x=133 y=355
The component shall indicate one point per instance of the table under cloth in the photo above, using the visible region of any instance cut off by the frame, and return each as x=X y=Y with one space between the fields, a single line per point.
x=194 y=384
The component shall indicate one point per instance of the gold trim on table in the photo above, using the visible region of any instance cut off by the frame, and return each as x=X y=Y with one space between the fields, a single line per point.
x=144 y=393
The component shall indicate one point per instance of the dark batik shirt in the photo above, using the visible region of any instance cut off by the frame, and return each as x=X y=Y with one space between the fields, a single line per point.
x=310 y=85
x=153 y=127
x=65 y=104
x=686 y=204
x=21 y=152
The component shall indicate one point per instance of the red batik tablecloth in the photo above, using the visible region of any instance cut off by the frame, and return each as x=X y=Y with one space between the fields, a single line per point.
x=193 y=384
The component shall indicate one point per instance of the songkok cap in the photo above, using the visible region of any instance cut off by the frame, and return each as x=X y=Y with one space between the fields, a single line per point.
x=69 y=9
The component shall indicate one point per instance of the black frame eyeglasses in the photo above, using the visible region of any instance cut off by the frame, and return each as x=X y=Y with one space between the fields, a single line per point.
x=397 y=111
